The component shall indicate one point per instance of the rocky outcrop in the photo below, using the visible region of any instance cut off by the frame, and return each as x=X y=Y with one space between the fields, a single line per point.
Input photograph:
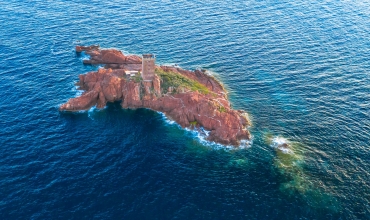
x=110 y=56
x=79 y=49
x=187 y=107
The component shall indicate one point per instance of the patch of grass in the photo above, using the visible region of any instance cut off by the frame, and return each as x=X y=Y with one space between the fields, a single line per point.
x=221 y=108
x=137 y=78
x=193 y=123
x=176 y=80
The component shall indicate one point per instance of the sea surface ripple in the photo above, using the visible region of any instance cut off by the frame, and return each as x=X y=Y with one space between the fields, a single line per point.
x=299 y=68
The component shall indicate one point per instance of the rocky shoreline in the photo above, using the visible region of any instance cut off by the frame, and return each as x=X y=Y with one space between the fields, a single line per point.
x=193 y=99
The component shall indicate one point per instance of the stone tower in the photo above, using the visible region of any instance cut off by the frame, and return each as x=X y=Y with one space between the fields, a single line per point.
x=148 y=67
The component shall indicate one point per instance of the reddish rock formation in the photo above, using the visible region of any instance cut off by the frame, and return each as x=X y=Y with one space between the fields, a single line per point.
x=188 y=108
x=110 y=56
x=79 y=49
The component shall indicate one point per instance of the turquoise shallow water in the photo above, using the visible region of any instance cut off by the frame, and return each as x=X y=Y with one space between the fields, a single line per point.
x=301 y=70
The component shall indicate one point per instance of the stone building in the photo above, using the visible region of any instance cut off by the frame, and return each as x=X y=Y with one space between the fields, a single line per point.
x=148 y=67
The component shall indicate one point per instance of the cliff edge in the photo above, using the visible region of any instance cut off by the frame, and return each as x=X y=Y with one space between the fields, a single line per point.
x=193 y=99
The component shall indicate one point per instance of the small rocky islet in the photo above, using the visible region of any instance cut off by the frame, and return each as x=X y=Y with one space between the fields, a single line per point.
x=194 y=99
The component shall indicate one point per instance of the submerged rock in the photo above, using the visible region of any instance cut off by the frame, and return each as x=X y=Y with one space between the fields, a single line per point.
x=192 y=99
x=281 y=144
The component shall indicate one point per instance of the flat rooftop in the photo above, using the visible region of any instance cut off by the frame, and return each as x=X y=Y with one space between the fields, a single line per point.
x=149 y=55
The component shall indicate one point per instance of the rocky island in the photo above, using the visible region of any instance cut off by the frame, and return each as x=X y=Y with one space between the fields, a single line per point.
x=194 y=99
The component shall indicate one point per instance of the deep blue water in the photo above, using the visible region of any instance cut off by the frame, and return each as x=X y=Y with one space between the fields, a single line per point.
x=301 y=70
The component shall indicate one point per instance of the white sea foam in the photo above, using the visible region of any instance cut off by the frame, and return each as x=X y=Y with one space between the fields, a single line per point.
x=91 y=111
x=167 y=120
x=52 y=50
x=278 y=142
x=244 y=144
x=285 y=150
x=76 y=90
x=210 y=73
x=201 y=136
x=171 y=65
x=84 y=56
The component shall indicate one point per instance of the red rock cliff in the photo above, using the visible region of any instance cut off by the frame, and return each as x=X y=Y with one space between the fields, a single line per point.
x=207 y=108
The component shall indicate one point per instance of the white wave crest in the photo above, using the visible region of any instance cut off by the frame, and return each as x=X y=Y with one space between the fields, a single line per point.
x=281 y=144
x=201 y=136
x=76 y=90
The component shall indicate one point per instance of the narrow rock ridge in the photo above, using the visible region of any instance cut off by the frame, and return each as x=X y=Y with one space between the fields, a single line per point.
x=193 y=99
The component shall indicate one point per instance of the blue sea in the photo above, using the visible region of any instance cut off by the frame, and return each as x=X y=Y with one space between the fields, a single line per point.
x=301 y=69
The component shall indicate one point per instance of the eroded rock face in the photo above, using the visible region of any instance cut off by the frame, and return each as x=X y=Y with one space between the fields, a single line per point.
x=188 y=108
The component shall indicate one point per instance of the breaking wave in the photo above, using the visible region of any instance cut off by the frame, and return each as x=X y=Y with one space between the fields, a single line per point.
x=201 y=136
x=281 y=144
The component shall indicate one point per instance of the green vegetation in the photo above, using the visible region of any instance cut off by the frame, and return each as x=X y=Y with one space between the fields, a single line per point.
x=221 y=108
x=176 y=80
x=193 y=123
x=137 y=77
